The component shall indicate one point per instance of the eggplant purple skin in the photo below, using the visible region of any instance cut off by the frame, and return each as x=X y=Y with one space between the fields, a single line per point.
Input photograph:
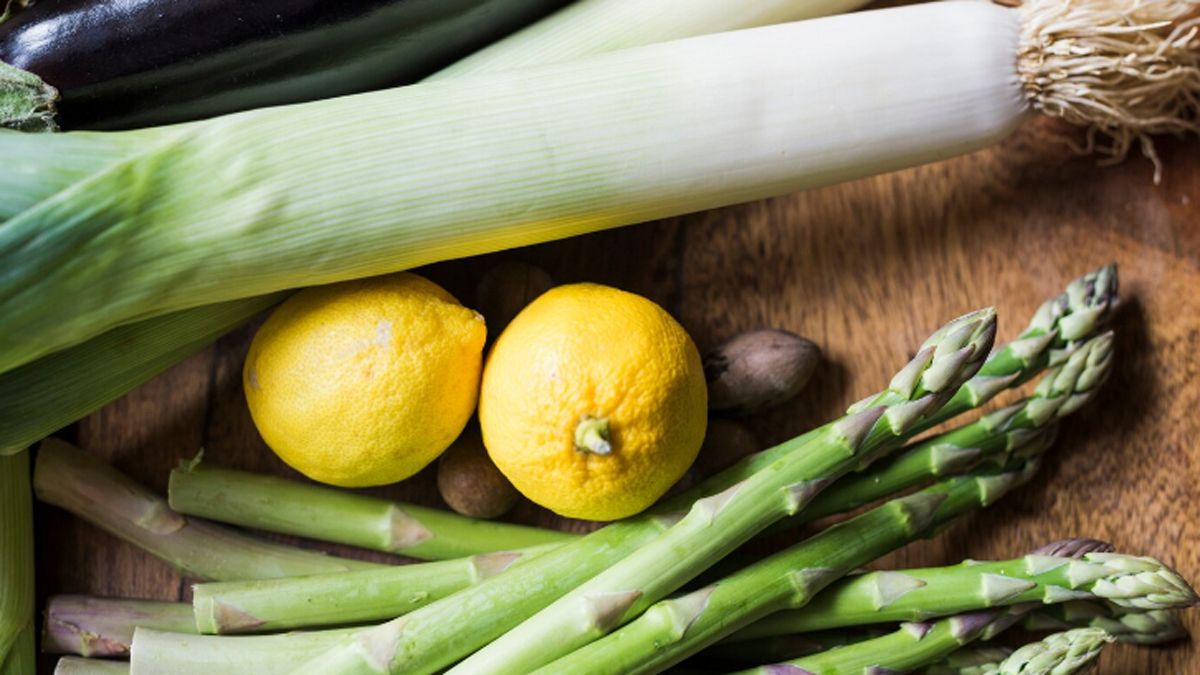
x=131 y=63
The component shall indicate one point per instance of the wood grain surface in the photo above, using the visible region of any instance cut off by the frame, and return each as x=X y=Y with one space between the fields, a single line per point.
x=865 y=269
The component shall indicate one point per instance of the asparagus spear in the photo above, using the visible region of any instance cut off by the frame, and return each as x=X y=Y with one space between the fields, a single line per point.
x=437 y=635
x=339 y=598
x=1060 y=654
x=1152 y=627
x=673 y=629
x=717 y=525
x=976 y=659
x=73 y=480
x=1156 y=626
x=1062 y=391
x=359 y=597
x=784 y=647
x=1072 y=651
x=308 y=510
x=160 y=653
x=916 y=595
x=916 y=645
x=16 y=566
x=1058 y=325
x=70 y=665
x=91 y=627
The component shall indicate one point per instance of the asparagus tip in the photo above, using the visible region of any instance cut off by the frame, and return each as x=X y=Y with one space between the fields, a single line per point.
x=1075 y=547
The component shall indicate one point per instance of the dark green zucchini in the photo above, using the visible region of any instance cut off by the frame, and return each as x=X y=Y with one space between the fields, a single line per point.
x=132 y=63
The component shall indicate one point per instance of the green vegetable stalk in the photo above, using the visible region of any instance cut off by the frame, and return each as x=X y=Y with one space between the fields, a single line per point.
x=974 y=659
x=916 y=645
x=1073 y=651
x=783 y=647
x=309 y=510
x=1143 y=627
x=157 y=651
x=1064 y=389
x=919 y=644
x=371 y=595
x=16 y=567
x=103 y=627
x=918 y=594
x=442 y=632
x=1058 y=326
x=674 y=629
x=78 y=482
x=71 y=665
x=1065 y=653
x=40 y=397
x=339 y=598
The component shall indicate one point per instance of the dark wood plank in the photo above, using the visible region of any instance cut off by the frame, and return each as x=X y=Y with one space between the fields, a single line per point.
x=866 y=269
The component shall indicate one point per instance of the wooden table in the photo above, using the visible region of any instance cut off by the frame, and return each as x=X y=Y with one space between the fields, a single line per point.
x=865 y=269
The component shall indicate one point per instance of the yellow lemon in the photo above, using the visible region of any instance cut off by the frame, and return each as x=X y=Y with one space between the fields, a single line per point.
x=593 y=402
x=365 y=382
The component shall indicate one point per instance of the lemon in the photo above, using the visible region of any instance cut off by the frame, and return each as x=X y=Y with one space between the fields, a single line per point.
x=593 y=402
x=365 y=382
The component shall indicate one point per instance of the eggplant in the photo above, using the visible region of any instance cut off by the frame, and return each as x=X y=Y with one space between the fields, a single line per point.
x=121 y=64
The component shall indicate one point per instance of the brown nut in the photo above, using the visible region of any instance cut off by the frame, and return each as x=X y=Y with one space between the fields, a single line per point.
x=505 y=290
x=470 y=483
x=759 y=369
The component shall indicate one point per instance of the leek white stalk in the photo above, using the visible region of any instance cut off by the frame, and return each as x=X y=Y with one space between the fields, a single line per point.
x=16 y=566
x=67 y=385
x=262 y=201
x=588 y=27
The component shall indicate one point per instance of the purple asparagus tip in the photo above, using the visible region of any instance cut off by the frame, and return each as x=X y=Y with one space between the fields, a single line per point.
x=1074 y=548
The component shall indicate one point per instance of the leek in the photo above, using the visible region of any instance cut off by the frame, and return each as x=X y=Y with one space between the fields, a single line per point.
x=50 y=393
x=58 y=388
x=273 y=199
x=588 y=27
x=16 y=566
